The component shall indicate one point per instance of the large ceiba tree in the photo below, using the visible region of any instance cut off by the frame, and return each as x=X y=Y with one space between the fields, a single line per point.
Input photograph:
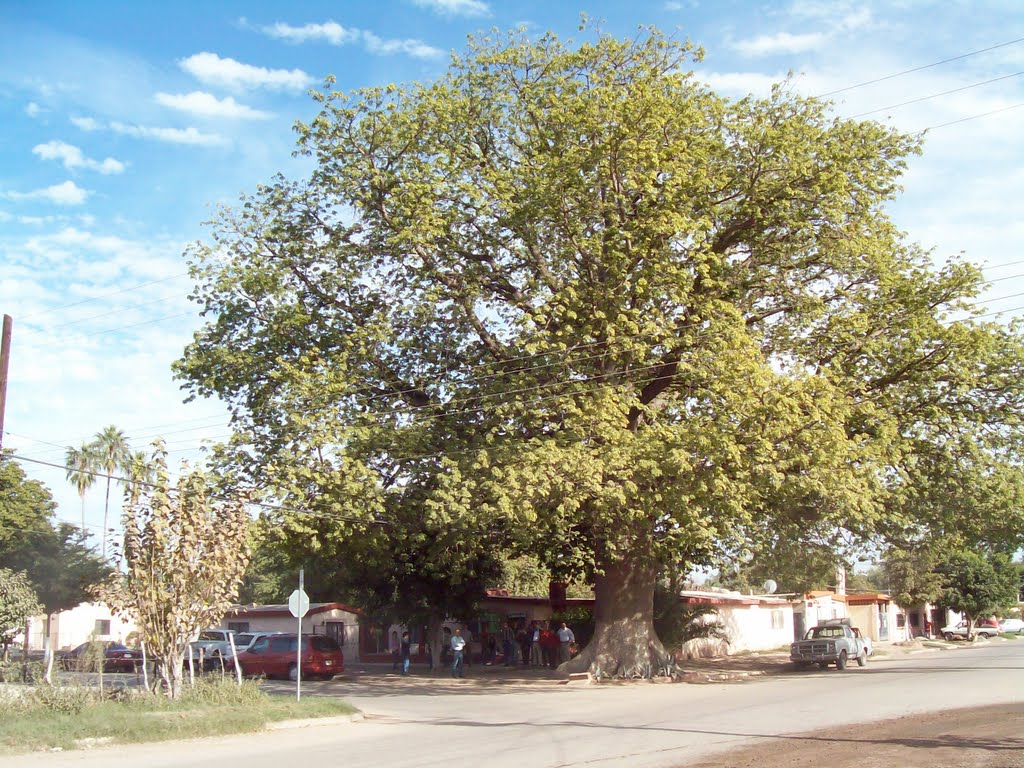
x=568 y=300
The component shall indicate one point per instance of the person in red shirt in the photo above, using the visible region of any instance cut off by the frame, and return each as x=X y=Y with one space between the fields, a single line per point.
x=549 y=646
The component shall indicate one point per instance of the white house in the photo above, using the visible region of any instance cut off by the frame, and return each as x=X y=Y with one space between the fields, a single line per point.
x=750 y=622
x=86 y=621
x=335 y=620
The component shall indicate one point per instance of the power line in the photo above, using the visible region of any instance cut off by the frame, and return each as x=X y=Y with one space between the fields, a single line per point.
x=113 y=312
x=107 y=295
x=972 y=117
x=935 y=95
x=918 y=69
x=178 y=489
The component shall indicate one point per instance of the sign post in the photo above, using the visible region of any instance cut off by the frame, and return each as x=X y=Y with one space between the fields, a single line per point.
x=298 y=604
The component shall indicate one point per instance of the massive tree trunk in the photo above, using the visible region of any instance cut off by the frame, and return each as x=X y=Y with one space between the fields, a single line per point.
x=624 y=643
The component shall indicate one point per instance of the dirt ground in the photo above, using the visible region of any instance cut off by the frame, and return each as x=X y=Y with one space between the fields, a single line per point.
x=986 y=737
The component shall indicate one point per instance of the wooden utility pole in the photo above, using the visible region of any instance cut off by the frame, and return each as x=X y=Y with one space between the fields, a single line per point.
x=5 y=356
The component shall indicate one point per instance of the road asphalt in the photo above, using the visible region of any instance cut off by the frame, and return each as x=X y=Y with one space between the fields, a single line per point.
x=501 y=718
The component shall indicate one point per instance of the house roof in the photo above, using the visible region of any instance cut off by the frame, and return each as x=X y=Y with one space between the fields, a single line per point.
x=502 y=596
x=701 y=597
x=862 y=598
x=275 y=611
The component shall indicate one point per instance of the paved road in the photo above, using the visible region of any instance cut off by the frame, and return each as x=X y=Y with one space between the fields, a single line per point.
x=444 y=723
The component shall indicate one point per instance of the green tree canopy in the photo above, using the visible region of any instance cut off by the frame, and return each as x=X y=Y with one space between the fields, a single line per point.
x=18 y=602
x=568 y=296
x=975 y=584
x=62 y=568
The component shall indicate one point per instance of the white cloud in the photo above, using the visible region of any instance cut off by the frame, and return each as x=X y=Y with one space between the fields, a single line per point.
x=415 y=48
x=189 y=136
x=781 y=43
x=72 y=158
x=207 y=105
x=211 y=69
x=32 y=109
x=741 y=83
x=329 y=31
x=67 y=193
x=456 y=7
x=86 y=123
x=335 y=34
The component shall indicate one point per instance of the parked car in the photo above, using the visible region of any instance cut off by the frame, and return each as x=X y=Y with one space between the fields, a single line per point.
x=275 y=656
x=1012 y=625
x=833 y=642
x=210 y=643
x=962 y=630
x=116 y=657
x=225 y=660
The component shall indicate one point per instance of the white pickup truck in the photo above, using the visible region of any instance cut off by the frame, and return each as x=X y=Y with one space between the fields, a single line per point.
x=834 y=642
x=212 y=642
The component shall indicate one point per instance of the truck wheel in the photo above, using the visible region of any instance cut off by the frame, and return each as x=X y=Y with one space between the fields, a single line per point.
x=293 y=672
x=862 y=660
x=841 y=661
x=949 y=636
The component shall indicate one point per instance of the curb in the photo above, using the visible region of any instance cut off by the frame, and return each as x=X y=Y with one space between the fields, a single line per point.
x=311 y=722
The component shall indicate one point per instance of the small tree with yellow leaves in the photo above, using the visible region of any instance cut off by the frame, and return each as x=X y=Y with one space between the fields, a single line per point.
x=185 y=552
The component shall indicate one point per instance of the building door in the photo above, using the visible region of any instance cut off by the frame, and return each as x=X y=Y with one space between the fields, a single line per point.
x=336 y=631
x=883 y=622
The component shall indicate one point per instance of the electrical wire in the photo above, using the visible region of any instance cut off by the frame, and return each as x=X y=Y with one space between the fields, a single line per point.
x=107 y=295
x=971 y=117
x=934 y=96
x=918 y=69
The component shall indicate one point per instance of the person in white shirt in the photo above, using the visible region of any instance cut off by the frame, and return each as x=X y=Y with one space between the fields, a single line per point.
x=458 y=645
x=565 y=636
x=535 y=651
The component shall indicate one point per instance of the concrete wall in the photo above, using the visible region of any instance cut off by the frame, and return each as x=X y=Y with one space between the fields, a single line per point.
x=749 y=628
x=75 y=626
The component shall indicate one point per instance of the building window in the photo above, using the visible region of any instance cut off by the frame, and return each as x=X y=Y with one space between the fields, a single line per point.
x=778 y=619
x=336 y=631
x=238 y=626
x=102 y=628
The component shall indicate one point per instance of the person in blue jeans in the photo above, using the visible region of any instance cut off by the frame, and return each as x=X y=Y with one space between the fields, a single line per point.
x=458 y=646
x=406 y=652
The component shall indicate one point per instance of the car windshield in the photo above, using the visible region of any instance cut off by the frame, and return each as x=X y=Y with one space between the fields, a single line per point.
x=211 y=636
x=820 y=632
x=242 y=640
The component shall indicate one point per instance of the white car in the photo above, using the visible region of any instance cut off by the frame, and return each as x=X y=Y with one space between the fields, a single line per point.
x=960 y=631
x=1012 y=625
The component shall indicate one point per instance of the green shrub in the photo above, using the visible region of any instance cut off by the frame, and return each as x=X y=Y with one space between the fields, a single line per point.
x=222 y=690
x=63 y=699
x=13 y=671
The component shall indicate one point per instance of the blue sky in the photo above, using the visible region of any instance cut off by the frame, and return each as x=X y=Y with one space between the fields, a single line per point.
x=124 y=125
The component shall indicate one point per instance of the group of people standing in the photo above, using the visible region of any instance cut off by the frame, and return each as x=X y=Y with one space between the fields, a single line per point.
x=536 y=644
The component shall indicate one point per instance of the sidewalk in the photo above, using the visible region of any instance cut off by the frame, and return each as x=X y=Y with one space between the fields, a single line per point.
x=700 y=671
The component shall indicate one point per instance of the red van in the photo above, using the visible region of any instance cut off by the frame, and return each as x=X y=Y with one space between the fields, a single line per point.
x=274 y=656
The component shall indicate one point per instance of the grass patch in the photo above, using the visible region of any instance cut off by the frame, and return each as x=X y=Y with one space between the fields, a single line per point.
x=44 y=718
x=1010 y=635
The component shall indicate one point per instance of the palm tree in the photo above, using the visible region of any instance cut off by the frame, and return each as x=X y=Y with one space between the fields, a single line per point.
x=140 y=473
x=79 y=464
x=111 y=452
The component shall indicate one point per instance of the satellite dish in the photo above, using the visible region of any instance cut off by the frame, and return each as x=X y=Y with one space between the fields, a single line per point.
x=770 y=586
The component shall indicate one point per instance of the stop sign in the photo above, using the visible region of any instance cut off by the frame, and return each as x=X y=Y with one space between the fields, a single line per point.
x=298 y=603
